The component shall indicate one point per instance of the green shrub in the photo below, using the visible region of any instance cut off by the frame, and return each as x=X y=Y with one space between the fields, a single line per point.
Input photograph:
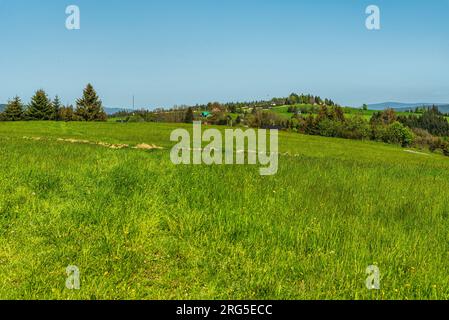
x=424 y=139
x=397 y=133
x=330 y=128
x=378 y=132
x=386 y=117
x=357 y=128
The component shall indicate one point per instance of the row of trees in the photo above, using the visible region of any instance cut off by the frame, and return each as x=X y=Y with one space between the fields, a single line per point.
x=308 y=99
x=88 y=108
x=431 y=120
x=241 y=107
x=429 y=131
x=331 y=122
x=385 y=126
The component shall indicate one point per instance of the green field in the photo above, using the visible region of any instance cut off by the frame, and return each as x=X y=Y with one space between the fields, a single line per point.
x=139 y=227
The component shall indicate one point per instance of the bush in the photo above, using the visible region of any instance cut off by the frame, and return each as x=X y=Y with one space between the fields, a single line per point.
x=379 y=133
x=263 y=119
x=330 y=128
x=309 y=125
x=439 y=146
x=357 y=128
x=386 y=117
x=397 y=133
x=423 y=139
x=301 y=124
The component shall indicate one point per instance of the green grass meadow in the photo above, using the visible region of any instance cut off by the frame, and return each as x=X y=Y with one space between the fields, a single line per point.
x=139 y=227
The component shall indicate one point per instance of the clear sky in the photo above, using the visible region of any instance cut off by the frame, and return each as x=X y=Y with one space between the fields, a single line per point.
x=190 y=51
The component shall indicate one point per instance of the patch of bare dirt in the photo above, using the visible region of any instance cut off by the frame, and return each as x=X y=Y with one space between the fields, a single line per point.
x=145 y=146
x=115 y=146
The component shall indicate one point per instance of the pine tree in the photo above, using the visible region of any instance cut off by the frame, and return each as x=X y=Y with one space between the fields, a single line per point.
x=89 y=107
x=14 y=110
x=40 y=107
x=56 y=104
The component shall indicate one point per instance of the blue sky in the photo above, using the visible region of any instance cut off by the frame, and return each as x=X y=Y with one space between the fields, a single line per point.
x=191 y=51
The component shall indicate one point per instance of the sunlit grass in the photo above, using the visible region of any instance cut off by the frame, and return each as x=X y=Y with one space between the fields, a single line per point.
x=139 y=227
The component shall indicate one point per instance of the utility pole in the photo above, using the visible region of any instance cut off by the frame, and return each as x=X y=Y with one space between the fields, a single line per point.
x=133 y=102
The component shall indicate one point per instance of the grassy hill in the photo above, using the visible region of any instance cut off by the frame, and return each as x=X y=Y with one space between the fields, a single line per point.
x=139 y=227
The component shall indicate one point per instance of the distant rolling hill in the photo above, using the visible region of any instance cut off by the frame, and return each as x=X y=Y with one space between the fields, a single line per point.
x=444 y=107
x=2 y=107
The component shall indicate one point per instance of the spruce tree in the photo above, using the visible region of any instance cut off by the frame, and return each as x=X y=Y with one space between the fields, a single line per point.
x=14 y=110
x=56 y=105
x=40 y=107
x=89 y=107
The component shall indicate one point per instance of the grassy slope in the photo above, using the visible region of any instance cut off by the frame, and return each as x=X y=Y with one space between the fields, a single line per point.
x=139 y=227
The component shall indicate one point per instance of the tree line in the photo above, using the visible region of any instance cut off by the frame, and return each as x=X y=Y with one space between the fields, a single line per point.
x=429 y=131
x=431 y=120
x=219 y=110
x=294 y=98
x=88 y=108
